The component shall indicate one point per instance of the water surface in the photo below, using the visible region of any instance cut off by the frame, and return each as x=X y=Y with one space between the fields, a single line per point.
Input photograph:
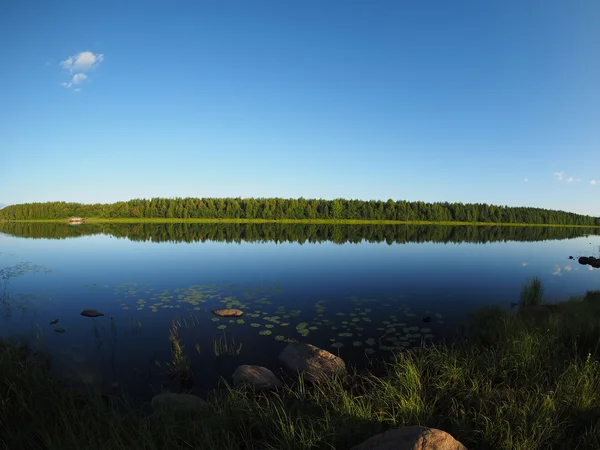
x=360 y=291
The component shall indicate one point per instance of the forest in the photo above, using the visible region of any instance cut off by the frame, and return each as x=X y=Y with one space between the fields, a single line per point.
x=292 y=233
x=298 y=209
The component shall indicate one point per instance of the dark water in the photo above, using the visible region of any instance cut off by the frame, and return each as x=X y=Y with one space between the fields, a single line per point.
x=362 y=291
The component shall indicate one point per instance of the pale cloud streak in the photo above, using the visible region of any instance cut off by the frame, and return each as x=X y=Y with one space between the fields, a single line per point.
x=559 y=175
x=525 y=180
x=78 y=78
x=593 y=182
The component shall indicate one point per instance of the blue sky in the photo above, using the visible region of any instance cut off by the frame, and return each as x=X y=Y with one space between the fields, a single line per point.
x=430 y=100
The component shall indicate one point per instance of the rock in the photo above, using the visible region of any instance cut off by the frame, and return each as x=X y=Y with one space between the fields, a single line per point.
x=256 y=376
x=91 y=313
x=594 y=262
x=411 y=438
x=178 y=402
x=314 y=362
x=228 y=312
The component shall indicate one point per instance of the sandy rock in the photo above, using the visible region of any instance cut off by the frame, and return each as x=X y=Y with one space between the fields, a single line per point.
x=228 y=312
x=178 y=402
x=256 y=376
x=411 y=438
x=314 y=362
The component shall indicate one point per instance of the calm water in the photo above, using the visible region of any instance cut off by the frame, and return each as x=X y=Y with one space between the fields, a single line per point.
x=362 y=291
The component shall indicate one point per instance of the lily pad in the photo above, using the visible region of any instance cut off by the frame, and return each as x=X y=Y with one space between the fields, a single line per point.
x=255 y=325
x=53 y=321
x=337 y=345
x=357 y=343
x=279 y=338
x=221 y=327
x=265 y=332
x=59 y=330
x=369 y=351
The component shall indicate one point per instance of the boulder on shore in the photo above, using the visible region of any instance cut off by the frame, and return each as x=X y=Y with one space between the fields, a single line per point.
x=169 y=401
x=257 y=377
x=228 y=312
x=313 y=362
x=411 y=438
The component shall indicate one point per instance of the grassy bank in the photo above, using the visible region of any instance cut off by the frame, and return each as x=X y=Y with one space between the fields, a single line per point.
x=521 y=381
x=302 y=221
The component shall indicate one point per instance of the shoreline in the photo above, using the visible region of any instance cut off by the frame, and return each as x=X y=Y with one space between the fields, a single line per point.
x=97 y=220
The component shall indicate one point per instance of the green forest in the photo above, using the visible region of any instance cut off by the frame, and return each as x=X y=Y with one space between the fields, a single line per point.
x=294 y=233
x=295 y=209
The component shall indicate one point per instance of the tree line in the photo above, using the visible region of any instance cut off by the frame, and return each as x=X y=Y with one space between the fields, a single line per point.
x=293 y=233
x=280 y=208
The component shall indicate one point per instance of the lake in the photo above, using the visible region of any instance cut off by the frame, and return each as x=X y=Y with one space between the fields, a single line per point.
x=360 y=291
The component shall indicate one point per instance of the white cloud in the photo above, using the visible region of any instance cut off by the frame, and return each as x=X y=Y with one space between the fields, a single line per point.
x=593 y=182
x=79 y=63
x=570 y=179
x=82 y=62
x=525 y=180
x=559 y=175
x=524 y=264
x=557 y=271
x=568 y=268
x=78 y=78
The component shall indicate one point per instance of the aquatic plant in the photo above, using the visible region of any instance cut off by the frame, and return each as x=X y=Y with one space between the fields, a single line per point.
x=531 y=293
x=223 y=347
x=180 y=363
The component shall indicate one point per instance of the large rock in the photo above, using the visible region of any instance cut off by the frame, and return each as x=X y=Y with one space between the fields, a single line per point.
x=169 y=401
x=411 y=438
x=256 y=376
x=314 y=362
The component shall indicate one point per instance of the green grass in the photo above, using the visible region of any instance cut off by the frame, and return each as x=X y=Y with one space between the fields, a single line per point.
x=531 y=293
x=509 y=383
x=304 y=221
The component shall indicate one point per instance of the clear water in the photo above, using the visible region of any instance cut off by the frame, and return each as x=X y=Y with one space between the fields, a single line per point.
x=359 y=291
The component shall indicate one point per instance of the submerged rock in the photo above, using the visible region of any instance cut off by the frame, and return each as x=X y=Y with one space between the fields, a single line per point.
x=91 y=313
x=313 y=362
x=169 y=401
x=228 y=312
x=411 y=438
x=256 y=376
